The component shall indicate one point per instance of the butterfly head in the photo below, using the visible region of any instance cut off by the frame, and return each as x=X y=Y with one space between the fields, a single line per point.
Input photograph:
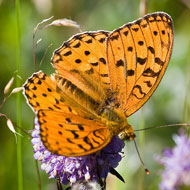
x=127 y=133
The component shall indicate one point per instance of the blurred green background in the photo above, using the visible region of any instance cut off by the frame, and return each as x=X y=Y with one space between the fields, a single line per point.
x=169 y=104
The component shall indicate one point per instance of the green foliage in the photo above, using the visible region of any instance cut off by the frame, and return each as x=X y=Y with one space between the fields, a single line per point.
x=166 y=106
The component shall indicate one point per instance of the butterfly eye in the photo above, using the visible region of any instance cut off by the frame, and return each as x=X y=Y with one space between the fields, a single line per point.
x=127 y=134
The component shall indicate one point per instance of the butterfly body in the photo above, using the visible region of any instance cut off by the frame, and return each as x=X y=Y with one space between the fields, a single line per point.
x=106 y=108
x=116 y=121
x=101 y=79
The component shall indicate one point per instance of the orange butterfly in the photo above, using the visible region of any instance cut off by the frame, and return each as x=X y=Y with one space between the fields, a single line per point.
x=101 y=79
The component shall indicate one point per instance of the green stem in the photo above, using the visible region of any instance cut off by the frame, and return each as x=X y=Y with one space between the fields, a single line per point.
x=38 y=175
x=18 y=98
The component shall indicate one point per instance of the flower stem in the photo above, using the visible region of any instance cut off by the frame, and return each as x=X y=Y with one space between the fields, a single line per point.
x=38 y=175
x=18 y=98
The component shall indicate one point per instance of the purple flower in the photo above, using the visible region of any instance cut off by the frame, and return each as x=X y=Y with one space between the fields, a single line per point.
x=177 y=164
x=72 y=169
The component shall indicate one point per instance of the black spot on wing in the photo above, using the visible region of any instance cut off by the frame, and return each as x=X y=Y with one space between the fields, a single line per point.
x=151 y=49
x=87 y=141
x=81 y=147
x=90 y=71
x=80 y=126
x=89 y=41
x=67 y=53
x=68 y=120
x=57 y=107
x=60 y=125
x=56 y=101
x=95 y=133
x=44 y=95
x=114 y=37
x=78 y=61
x=49 y=90
x=155 y=33
x=141 y=61
x=101 y=40
x=144 y=25
x=95 y=141
x=120 y=63
x=135 y=29
x=37 y=103
x=130 y=48
x=130 y=72
x=78 y=37
x=94 y=64
x=76 y=136
x=150 y=73
x=104 y=75
x=141 y=43
x=34 y=88
x=163 y=32
x=159 y=61
x=102 y=60
x=77 y=45
x=70 y=141
x=149 y=84
x=86 y=52
x=126 y=33
x=50 y=108
x=70 y=109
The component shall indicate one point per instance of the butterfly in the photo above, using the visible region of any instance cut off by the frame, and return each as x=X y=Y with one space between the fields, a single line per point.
x=101 y=79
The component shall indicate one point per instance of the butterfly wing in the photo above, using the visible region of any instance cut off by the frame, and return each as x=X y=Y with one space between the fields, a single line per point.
x=84 y=53
x=63 y=131
x=40 y=91
x=131 y=61
x=44 y=92
x=138 y=54
x=71 y=135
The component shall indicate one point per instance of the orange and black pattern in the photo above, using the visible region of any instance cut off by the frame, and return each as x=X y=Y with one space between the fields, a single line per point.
x=101 y=79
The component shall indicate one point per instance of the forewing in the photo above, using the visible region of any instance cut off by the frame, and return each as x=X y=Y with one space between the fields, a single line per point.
x=84 y=53
x=138 y=54
x=71 y=135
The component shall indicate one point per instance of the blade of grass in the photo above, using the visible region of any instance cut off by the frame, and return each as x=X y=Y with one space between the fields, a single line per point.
x=18 y=98
x=38 y=175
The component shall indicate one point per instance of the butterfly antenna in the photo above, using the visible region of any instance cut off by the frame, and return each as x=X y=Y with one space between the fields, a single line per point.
x=145 y=169
x=165 y=126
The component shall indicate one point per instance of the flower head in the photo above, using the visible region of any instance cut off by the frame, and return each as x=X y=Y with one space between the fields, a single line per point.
x=72 y=169
x=177 y=164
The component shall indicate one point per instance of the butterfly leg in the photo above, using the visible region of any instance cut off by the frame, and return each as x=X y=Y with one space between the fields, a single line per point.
x=59 y=186
x=100 y=180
